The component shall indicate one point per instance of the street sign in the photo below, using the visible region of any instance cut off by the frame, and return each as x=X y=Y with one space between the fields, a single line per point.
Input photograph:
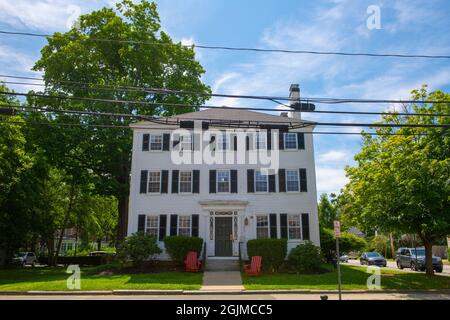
x=337 y=229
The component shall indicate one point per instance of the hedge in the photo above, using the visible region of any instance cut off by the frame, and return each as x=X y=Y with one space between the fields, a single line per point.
x=272 y=251
x=178 y=246
x=305 y=258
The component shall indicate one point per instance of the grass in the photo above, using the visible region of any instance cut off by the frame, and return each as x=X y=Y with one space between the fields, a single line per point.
x=54 y=279
x=352 y=278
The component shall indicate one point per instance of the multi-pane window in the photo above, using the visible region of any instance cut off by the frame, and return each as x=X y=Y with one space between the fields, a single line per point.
x=154 y=181
x=152 y=226
x=185 y=181
x=290 y=140
x=223 y=141
x=184 y=225
x=292 y=184
x=156 y=142
x=261 y=140
x=261 y=182
x=223 y=181
x=186 y=142
x=262 y=227
x=294 y=228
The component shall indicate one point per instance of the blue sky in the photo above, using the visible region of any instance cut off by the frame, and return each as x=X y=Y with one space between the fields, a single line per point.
x=407 y=26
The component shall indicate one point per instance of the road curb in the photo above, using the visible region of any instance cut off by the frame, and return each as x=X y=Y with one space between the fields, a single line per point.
x=216 y=292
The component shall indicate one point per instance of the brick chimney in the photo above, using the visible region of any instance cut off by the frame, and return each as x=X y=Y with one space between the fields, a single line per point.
x=294 y=95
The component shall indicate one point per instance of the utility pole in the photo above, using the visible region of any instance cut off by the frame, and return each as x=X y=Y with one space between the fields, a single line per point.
x=337 y=235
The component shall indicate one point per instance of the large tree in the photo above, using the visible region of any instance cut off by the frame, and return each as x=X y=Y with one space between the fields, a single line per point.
x=327 y=211
x=402 y=182
x=117 y=47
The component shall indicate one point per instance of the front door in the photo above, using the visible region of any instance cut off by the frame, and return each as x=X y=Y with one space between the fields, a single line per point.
x=224 y=236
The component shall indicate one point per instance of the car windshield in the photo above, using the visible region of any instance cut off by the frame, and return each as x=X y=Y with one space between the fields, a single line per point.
x=418 y=252
x=373 y=254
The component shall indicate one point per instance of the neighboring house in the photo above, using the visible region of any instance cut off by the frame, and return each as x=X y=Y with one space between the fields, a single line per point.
x=230 y=203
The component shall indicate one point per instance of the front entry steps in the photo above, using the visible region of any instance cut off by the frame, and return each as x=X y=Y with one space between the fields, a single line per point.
x=222 y=264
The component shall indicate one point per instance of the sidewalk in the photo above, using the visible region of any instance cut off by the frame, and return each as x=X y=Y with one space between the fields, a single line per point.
x=222 y=281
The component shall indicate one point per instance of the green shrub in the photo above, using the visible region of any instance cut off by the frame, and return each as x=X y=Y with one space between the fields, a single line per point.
x=178 y=246
x=138 y=247
x=305 y=258
x=347 y=243
x=272 y=251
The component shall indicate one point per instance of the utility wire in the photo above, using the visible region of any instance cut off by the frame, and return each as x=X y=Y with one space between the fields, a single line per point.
x=159 y=104
x=323 y=100
x=111 y=126
x=229 y=48
x=239 y=123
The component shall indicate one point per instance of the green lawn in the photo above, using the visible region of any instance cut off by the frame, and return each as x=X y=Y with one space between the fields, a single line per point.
x=48 y=279
x=352 y=278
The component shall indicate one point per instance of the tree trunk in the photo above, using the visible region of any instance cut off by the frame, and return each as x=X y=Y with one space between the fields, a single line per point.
x=123 y=217
x=99 y=244
x=428 y=255
x=391 y=241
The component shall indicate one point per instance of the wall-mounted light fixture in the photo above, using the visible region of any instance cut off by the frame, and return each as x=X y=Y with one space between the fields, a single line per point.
x=246 y=221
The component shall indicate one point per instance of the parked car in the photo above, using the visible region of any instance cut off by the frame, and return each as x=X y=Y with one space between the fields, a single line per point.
x=24 y=258
x=372 y=258
x=414 y=258
x=343 y=258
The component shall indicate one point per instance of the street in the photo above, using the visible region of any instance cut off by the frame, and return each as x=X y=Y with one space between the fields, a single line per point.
x=392 y=266
x=281 y=296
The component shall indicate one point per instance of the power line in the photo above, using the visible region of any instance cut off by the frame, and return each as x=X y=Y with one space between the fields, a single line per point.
x=239 y=123
x=159 y=104
x=323 y=100
x=106 y=126
x=229 y=48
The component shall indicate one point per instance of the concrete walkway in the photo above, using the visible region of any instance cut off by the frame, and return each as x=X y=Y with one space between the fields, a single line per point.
x=222 y=281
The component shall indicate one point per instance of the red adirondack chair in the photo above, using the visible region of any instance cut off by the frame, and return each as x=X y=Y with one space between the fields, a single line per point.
x=191 y=262
x=254 y=268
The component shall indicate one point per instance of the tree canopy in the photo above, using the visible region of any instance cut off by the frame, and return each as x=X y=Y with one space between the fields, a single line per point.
x=402 y=182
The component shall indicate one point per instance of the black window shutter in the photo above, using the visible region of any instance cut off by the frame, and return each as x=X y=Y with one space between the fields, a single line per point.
x=196 y=181
x=282 y=180
x=212 y=181
x=145 y=141
x=175 y=174
x=269 y=140
x=273 y=225
x=247 y=142
x=164 y=181
x=144 y=178
x=281 y=140
x=141 y=223
x=175 y=143
x=272 y=184
x=173 y=224
x=234 y=181
x=250 y=180
x=301 y=140
x=305 y=226
x=166 y=141
x=194 y=232
x=303 y=184
x=162 y=226
x=283 y=225
x=235 y=142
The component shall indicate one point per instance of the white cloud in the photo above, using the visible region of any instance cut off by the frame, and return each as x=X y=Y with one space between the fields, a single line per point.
x=335 y=155
x=330 y=180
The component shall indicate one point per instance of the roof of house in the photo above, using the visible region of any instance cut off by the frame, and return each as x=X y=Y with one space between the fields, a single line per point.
x=233 y=115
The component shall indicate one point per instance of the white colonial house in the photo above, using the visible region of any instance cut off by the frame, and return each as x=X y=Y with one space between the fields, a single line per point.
x=204 y=181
